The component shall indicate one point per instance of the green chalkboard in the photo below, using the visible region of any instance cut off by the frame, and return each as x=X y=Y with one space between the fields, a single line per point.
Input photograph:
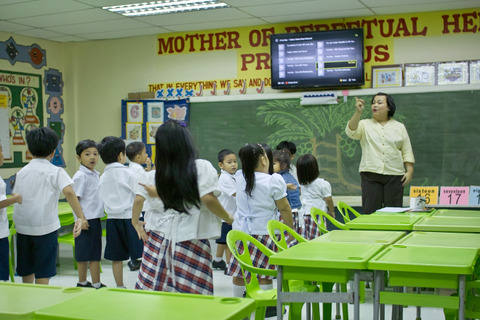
x=443 y=127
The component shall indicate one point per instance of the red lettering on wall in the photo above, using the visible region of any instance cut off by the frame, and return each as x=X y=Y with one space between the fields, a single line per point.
x=368 y=30
x=190 y=38
x=455 y=23
x=389 y=27
x=338 y=25
x=246 y=59
x=381 y=52
x=220 y=40
x=165 y=46
x=415 y=31
x=233 y=40
x=402 y=27
x=467 y=22
x=208 y=41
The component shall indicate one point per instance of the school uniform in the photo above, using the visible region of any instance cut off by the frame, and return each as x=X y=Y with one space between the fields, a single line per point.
x=36 y=219
x=228 y=187
x=88 y=245
x=253 y=214
x=293 y=197
x=138 y=172
x=4 y=232
x=313 y=195
x=177 y=256
x=117 y=193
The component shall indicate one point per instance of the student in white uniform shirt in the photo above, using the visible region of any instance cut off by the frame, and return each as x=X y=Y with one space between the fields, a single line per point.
x=88 y=246
x=137 y=154
x=36 y=218
x=117 y=186
x=259 y=196
x=184 y=214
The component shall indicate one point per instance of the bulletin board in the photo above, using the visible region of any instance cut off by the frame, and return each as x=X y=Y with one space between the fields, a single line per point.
x=141 y=119
x=21 y=110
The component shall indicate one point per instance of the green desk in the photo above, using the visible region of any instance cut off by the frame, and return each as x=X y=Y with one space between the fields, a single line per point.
x=456 y=213
x=422 y=213
x=19 y=301
x=65 y=213
x=422 y=266
x=323 y=261
x=383 y=222
x=361 y=236
x=121 y=304
x=448 y=224
x=442 y=239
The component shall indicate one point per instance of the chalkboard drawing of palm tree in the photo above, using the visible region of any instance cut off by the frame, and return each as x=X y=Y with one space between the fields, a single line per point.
x=319 y=130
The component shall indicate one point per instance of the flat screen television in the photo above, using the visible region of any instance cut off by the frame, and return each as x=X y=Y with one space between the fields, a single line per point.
x=317 y=59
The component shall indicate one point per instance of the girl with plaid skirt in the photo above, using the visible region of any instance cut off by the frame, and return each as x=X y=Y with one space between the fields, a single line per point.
x=259 y=196
x=316 y=192
x=184 y=213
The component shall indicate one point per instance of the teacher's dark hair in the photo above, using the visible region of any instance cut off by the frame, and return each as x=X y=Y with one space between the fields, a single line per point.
x=176 y=171
x=390 y=103
x=250 y=156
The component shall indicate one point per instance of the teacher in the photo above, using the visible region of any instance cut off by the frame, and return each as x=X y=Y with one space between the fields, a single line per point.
x=387 y=156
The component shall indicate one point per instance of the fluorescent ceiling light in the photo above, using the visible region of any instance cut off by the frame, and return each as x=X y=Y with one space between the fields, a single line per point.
x=164 y=7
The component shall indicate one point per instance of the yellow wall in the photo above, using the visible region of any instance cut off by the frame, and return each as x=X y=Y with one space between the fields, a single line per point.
x=99 y=74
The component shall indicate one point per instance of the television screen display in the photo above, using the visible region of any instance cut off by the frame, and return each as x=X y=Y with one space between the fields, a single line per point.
x=317 y=59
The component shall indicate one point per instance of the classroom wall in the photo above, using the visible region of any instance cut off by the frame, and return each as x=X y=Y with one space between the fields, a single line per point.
x=99 y=74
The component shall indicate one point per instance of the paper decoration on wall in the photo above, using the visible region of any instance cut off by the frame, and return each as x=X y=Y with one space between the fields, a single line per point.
x=4 y=133
x=22 y=95
x=155 y=111
x=135 y=112
x=134 y=131
x=54 y=87
x=13 y=52
x=151 y=131
x=153 y=114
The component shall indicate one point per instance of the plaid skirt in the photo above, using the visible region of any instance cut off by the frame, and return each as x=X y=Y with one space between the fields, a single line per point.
x=192 y=262
x=258 y=258
x=311 y=230
x=297 y=226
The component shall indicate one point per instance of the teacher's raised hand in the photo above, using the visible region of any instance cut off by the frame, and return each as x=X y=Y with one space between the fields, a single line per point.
x=359 y=104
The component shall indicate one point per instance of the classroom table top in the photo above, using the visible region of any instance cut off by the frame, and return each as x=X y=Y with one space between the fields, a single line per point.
x=383 y=222
x=425 y=259
x=415 y=213
x=134 y=304
x=324 y=255
x=456 y=213
x=19 y=301
x=448 y=224
x=361 y=236
x=442 y=239
x=65 y=213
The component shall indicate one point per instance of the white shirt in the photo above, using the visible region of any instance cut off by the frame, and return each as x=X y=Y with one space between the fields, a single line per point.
x=178 y=227
x=228 y=187
x=117 y=187
x=86 y=184
x=253 y=213
x=137 y=170
x=3 y=212
x=313 y=195
x=40 y=184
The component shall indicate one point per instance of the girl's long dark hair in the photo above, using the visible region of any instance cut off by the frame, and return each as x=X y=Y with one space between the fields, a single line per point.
x=176 y=171
x=250 y=155
x=307 y=169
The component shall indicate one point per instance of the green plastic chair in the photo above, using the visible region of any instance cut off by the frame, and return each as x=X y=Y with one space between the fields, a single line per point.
x=472 y=303
x=11 y=262
x=318 y=215
x=345 y=211
x=264 y=298
x=273 y=226
x=67 y=238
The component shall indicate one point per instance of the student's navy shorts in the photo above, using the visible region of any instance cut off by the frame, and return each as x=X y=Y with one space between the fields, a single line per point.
x=122 y=241
x=37 y=255
x=4 y=256
x=88 y=245
x=223 y=237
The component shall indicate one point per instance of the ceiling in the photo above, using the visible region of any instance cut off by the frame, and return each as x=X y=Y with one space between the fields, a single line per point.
x=83 y=20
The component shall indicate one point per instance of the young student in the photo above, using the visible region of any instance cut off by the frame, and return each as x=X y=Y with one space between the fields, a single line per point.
x=184 y=214
x=88 y=245
x=36 y=218
x=316 y=192
x=117 y=186
x=281 y=165
x=227 y=161
x=259 y=196
x=137 y=154
x=293 y=150
x=4 y=232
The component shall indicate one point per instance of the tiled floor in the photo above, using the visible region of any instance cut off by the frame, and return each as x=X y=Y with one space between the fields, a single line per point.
x=67 y=276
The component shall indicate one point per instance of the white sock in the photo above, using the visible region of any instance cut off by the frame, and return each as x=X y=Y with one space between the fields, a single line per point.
x=97 y=285
x=266 y=286
x=84 y=282
x=218 y=259
x=238 y=291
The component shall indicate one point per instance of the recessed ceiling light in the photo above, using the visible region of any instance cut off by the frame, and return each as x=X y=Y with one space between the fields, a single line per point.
x=164 y=7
